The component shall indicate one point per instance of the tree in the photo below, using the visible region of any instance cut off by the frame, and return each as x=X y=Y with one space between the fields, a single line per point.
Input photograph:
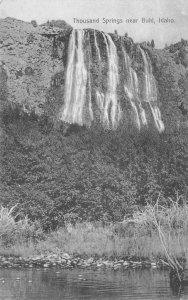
x=34 y=23
x=166 y=46
x=152 y=44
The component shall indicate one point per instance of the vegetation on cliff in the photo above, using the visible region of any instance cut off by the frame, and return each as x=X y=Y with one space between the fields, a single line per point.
x=89 y=174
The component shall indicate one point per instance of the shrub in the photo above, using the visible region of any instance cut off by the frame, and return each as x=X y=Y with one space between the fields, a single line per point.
x=12 y=231
x=34 y=23
x=30 y=38
x=152 y=44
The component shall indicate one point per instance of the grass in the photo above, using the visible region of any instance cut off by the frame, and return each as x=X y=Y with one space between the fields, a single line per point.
x=156 y=231
x=17 y=233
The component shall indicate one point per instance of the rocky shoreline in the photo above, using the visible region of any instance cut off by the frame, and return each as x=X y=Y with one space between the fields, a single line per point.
x=64 y=260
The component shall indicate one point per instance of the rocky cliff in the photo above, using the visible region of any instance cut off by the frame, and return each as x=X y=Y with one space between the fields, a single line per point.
x=28 y=66
x=34 y=58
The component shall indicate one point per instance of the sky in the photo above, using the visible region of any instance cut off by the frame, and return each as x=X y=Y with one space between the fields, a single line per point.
x=162 y=33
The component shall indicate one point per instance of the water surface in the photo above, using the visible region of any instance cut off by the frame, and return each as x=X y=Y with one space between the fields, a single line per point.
x=77 y=284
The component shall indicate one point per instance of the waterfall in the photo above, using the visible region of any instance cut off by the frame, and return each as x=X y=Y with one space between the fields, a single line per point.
x=96 y=46
x=151 y=92
x=130 y=95
x=100 y=98
x=77 y=101
x=82 y=86
x=142 y=110
x=76 y=81
x=89 y=81
x=131 y=88
x=112 y=109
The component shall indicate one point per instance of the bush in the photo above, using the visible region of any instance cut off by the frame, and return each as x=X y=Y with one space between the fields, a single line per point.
x=171 y=216
x=30 y=38
x=152 y=44
x=23 y=230
x=34 y=23
x=57 y=23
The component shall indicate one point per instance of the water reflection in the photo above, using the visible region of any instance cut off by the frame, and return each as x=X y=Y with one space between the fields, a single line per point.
x=86 y=284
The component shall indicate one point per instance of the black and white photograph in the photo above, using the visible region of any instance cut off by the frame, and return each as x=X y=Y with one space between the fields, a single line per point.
x=93 y=149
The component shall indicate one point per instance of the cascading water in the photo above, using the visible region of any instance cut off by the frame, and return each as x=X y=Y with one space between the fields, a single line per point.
x=76 y=81
x=77 y=101
x=82 y=86
x=132 y=90
x=100 y=98
x=151 y=92
x=97 y=47
x=111 y=110
x=89 y=81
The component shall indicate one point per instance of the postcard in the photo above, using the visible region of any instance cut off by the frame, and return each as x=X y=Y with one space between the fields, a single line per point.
x=93 y=149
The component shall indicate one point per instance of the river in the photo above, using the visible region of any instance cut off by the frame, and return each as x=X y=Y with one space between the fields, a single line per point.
x=78 y=284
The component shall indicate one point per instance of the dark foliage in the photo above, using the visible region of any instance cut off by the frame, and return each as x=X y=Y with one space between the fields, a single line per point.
x=152 y=44
x=57 y=23
x=87 y=173
x=34 y=23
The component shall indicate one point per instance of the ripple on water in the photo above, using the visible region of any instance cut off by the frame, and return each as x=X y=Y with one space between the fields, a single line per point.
x=81 y=284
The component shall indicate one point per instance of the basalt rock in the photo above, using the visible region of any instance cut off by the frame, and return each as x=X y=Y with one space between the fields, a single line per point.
x=30 y=63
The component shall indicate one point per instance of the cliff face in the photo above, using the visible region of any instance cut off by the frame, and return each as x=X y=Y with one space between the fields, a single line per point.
x=172 y=82
x=33 y=62
x=51 y=167
x=27 y=62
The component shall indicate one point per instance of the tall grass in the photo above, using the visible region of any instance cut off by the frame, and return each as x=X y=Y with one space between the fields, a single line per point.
x=159 y=230
x=155 y=231
x=17 y=232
